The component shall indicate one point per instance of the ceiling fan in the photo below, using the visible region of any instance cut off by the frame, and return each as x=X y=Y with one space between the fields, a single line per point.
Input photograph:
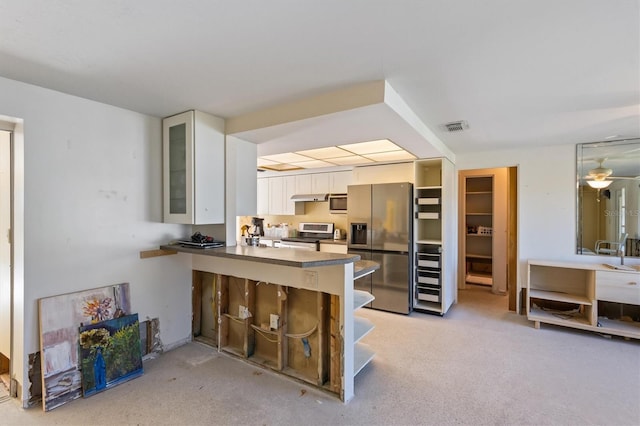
x=600 y=177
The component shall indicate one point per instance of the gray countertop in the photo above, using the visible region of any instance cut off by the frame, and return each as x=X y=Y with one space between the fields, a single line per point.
x=278 y=256
x=364 y=267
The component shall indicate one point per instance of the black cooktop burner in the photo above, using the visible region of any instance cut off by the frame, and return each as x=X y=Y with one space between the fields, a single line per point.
x=304 y=239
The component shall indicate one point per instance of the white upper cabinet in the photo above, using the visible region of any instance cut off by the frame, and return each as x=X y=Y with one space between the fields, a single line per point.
x=193 y=168
x=289 y=206
x=303 y=184
x=320 y=183
x=240 y=180
x=338 y=181
x=274 y=196
x=263 y=196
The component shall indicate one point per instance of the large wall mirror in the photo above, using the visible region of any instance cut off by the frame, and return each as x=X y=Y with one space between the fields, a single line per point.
x=608 y=198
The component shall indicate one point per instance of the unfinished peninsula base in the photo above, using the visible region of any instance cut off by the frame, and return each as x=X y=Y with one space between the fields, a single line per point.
x=297 y=321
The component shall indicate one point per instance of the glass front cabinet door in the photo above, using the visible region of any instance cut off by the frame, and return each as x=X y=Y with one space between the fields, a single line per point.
x=193 y=168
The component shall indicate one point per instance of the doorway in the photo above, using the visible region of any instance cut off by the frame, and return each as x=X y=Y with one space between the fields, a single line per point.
x=487 y=230
x=5 y=260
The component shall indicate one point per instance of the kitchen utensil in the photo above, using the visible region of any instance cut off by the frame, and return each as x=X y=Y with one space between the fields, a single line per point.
x=253 y=240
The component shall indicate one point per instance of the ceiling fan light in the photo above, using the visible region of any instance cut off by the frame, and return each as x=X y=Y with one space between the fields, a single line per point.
x=599 y=184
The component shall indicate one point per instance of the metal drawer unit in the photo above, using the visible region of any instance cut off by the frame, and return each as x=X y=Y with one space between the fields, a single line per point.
x=428 y=275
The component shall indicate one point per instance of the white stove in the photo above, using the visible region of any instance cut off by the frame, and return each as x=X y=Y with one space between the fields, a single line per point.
x=309 y=236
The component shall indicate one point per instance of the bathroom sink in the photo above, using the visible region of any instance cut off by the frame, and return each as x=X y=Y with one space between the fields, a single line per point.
x=623 y=267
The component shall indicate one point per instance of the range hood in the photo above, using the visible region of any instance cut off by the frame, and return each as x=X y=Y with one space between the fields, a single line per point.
x=310 y=197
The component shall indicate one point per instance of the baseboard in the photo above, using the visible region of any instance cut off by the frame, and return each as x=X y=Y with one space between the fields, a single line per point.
x=176 y=344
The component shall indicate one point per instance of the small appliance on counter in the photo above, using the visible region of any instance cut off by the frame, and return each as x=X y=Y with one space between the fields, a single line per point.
x=254 y=232
x=258 y=226
x=337 y=234
x=309 y=236
x=201 y=241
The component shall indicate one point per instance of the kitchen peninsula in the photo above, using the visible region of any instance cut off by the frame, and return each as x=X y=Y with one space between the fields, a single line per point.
x=288 y=310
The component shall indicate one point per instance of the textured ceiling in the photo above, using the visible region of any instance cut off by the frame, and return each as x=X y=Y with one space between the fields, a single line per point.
x=521 y=73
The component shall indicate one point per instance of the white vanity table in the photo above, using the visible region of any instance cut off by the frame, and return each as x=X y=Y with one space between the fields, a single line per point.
x=575 y=295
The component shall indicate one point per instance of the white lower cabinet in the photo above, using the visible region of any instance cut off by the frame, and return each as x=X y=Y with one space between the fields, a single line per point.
x=585 y=296
x=333 y=248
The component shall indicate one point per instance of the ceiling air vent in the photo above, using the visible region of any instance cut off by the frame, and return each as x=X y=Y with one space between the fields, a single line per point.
x=456 y=126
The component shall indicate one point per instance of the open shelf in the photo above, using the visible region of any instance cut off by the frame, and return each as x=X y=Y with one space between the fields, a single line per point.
x=478 y=256
x=362 y=355
x=559 y=297
x=361 y=298
x=433 y=242
x=428 y=187
x=622 y=328
x=362 y=268
x=571 y=319
x=478 y=243
x=362 y=327
x=479 y=278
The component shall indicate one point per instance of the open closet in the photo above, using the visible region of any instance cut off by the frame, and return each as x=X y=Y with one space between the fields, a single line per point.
x=487 y=228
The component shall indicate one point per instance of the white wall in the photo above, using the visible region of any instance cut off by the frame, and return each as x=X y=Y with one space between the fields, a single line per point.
x=546 y=201
x=92 y=202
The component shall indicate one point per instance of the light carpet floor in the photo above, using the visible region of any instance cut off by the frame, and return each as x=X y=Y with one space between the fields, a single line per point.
x=479 y=365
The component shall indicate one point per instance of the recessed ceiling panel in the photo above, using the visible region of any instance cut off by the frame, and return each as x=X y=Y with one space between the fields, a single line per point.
x=349 y=161
x=324 y=153
x=313 y=164
x=287 y=157
x=370 y=147
x=391 y=156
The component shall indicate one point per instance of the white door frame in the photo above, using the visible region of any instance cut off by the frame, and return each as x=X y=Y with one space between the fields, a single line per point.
x=18 y=363
x=6 y=280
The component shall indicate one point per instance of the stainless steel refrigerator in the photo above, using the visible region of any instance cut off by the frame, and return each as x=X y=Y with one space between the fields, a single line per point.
x=379 y=218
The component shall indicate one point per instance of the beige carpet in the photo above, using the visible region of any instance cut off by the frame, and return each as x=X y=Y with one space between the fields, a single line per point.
x=481 y=364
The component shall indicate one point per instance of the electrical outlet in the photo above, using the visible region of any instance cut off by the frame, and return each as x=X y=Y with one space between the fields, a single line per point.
x=274 y=321
x=243 y=312
x=311 y=279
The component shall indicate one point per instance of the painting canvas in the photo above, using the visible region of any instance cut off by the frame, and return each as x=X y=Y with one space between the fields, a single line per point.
x=110 y=353
x=60 y=319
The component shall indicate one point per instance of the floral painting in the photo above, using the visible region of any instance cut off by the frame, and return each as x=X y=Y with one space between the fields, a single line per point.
x=110 y=353
x=98 y=310
x=60 y=319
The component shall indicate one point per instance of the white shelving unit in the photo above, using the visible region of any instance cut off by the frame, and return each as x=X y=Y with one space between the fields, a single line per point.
x=478 y=217
x=363 y=354
x=434 y=282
